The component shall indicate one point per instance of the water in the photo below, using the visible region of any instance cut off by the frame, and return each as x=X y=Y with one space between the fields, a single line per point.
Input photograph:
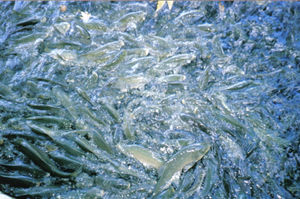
x=77 y=84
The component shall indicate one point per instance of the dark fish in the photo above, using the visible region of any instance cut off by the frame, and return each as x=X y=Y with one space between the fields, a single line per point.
x=42 y=160
x=43 y=107
x=63 y=143
x=51 y=119
x=21 y=167
x=28 y=22
x=39 y=192
x=21 y=134
x=101 y=142
x=109 y=182
x=18 y=180
x=196 y=121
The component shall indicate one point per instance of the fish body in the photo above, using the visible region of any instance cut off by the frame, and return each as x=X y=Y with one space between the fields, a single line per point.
x=42 y=160
x=143 y=155
x=175 y=61
x=51 y=119
x=101 y=142
x=32 y=38
x=188 y=155
x=95 y=25
x=17 y=180
x=130 y=82
x=130 y=20
x=103 y=50
x=62 y=27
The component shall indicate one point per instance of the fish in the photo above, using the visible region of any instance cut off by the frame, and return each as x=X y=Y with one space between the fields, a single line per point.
x=128 y=131
x=50 y=81
x=138 y=52
x=143 y=155
x=191 y=118
x=22 y=167
x=103 y=50
x=115 y=61
x=95 y=25
x=20 y=134
x=101 y=142
x=42 y=160
x=5 y=90
x=168 y=193
x=130 y=82
x=51 y=119
x=28 y=39
x=175 y=61
x=172 y=78
x=43 y=107
x=84 y=145
x=109 y=182
x=65 y=160
x=18 y=180
x=62 y=27
x=186 y=182
x=55 y=136
x=65 y=57
x=204 y=78
x=206 y=27
x=211 y=177
x=231 y=120
x=188 y=14
x=41 y=130
x=129 y=40
x=197 y=183
x=39 y=192
x=65 y=100
x=82 y=32
x=68 y=147
x=92 y=115
x=173 y=167
x=84 y=95
x=111 y=111
x=130 y=20
x=141 y=63
x=240 y=85
x=28 y=22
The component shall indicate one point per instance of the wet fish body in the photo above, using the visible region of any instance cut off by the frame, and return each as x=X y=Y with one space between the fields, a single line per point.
x=41 y=159
x=187 y=155
x=18 y=180
x=143 y=155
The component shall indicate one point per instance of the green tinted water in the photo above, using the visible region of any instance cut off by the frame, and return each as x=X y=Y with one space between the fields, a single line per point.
x=107 y=100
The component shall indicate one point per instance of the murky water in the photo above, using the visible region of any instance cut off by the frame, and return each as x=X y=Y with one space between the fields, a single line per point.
x=114 y=100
